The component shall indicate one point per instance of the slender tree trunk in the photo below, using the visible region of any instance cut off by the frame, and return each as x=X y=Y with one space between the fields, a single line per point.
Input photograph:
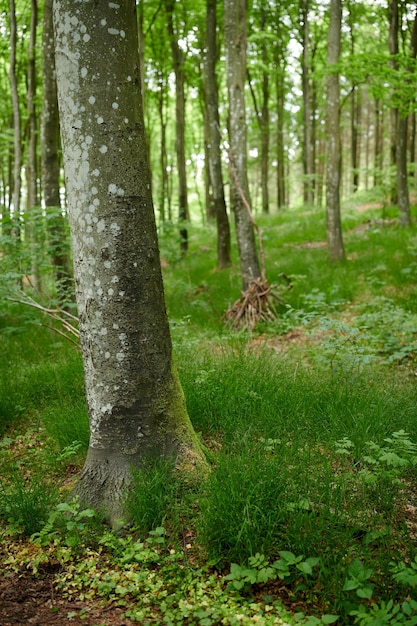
x=31 y=164
x=135 y=402
x=17 y=180
x=235 y=42
x=56 y=223
x=412 y=144
x=378 y=143
x=308 y=164
x=34 y=225
x=214 y=141
x=334 y=228
x=264 y=118
x=404 y=217
x=394 y=118
x=280 y=126
x=178 y=60
x=163 y=151
x=355 y=111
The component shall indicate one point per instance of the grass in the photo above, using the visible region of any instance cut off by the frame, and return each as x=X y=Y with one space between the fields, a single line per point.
x=309 y=425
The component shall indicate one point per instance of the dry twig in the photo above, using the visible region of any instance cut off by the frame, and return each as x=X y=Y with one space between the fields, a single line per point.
x=69 y=323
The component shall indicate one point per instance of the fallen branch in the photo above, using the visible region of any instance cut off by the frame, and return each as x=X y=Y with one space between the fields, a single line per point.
x=68 y=321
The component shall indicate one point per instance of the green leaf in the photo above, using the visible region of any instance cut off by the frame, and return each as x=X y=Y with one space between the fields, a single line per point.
x=365 y=592
x=329 y=619
x=305 y=568
x=350 y=585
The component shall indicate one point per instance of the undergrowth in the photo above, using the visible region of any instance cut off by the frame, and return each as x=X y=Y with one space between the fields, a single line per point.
x=308 y=513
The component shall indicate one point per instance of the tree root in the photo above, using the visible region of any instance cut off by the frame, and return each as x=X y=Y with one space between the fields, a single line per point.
x=255 y=305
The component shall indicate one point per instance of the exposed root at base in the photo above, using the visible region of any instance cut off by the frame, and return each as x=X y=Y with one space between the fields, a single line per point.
x=255 y=305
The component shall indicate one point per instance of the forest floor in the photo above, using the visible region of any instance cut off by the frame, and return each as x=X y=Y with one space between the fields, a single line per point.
x=25 y=600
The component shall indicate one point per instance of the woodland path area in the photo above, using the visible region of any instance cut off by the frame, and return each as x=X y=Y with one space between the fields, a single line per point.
x=27 y=600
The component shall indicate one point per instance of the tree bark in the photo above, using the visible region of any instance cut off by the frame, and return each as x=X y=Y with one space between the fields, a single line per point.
x=135 y=402
x=334 y=228
x=235 y=43
x=214 y=139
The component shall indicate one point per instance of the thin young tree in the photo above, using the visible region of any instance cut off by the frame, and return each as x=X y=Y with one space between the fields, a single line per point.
x=50 y=164
x=335 y=245
x=135 y=402
x=235 y=44
x=178 y=58
x=214 y=138
x=17 y=124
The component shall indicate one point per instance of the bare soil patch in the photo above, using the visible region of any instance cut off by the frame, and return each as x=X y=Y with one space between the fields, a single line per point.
x=26 y=600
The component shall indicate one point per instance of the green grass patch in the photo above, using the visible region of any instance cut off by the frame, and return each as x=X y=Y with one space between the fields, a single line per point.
x=309 y=427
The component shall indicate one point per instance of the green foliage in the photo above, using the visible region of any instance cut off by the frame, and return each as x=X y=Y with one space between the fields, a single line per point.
x=25 y=501
x=154 y=497
x=242 y=507
x=289 y=567
x=67 y=524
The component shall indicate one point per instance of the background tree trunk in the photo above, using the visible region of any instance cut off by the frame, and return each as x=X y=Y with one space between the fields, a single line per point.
x=235 y=42
x=214 y=138
x=135 y=402
x=17 y=163
x=56 y=226
x=334 y=228
x=308 y=163
x=393 y=50
x=178 y=60
x=34 y=225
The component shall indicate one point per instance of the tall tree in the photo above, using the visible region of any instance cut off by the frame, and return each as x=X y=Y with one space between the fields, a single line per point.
x=31 y=163
x=402 y=140
x=334 y=227
x=34 y=218
x=179 y=71
x=262 y=107
x=17 y=156
x=50 y=164
x=308 y=161
x=135 y=402
x=214 y=138
x=235 y=42
x=393 y=50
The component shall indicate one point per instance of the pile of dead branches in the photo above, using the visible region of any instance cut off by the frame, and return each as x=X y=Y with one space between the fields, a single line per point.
x=255 y=305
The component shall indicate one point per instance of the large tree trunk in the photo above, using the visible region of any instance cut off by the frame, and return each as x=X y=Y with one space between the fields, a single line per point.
x=334 y=228
x=235 y=43
x=214 y=151
x=135 y=402
x=178 y=59
x=56 y=226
